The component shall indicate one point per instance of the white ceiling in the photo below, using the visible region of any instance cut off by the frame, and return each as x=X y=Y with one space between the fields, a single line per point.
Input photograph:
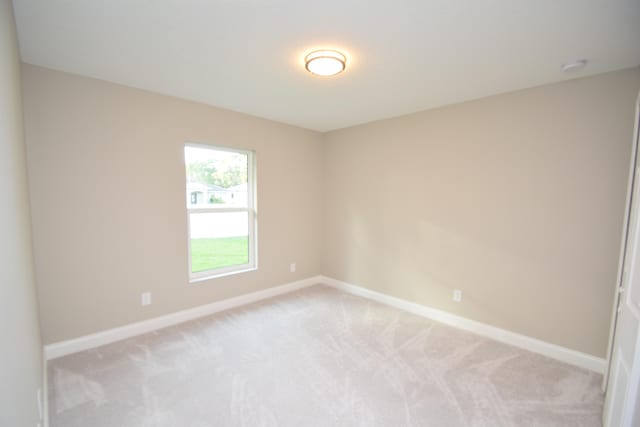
x=403 y=55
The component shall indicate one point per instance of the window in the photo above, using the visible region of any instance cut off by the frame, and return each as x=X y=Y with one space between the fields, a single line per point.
x=221 y=213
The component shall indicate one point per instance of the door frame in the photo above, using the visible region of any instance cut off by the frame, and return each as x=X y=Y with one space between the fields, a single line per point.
x=631 y=182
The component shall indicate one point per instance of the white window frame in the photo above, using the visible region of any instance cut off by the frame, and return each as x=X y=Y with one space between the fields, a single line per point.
x=251 y=215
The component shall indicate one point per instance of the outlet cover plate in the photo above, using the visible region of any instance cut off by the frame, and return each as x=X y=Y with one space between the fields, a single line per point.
x=457 y=295
x=146 y=298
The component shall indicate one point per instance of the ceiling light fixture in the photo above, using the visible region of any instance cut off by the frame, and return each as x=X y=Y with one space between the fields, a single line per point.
x=325 y=62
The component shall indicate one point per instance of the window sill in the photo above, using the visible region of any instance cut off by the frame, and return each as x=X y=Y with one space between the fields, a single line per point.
x=218 y=275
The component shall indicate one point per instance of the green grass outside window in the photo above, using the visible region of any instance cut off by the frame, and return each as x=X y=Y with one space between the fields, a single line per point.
x=209 y=254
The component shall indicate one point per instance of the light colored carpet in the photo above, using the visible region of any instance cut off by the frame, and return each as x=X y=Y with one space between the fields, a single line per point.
x=317 y=357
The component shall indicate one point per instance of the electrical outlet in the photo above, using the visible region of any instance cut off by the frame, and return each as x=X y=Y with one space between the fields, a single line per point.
x=146 y=298
x=457 y=295
x=292 y=267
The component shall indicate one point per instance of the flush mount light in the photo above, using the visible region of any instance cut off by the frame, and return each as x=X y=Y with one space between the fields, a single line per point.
x=574 y=66
x=325 y=62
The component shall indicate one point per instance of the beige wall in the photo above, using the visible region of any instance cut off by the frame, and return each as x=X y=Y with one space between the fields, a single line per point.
x=109 y=217
x=21 y=348
x=516 y=199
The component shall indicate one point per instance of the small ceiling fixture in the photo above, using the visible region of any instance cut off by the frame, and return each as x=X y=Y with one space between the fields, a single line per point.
x=574 y=66
x=325 y=62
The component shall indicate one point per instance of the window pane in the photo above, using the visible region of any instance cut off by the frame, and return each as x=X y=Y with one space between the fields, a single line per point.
x=218 y=240
x=216 y=177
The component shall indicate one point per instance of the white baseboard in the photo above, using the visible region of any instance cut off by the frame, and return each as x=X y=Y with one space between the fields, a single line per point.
x=86 y=342
x=553 y=351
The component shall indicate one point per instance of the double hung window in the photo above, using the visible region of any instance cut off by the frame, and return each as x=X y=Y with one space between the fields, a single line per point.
x=220 y=195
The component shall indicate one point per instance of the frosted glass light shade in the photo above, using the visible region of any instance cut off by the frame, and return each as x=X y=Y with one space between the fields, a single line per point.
x=325 y=62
